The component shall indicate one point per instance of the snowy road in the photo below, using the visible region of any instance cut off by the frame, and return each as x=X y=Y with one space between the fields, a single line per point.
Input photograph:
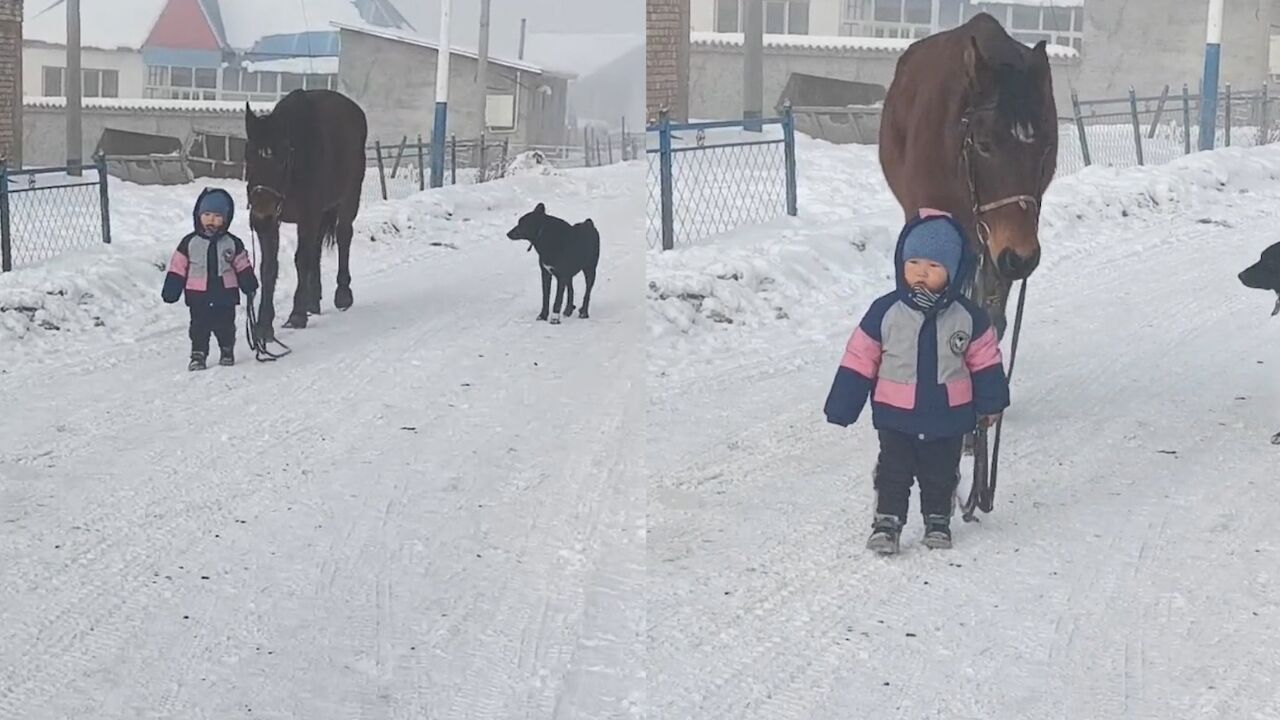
x=1129 y=569
x=422 y=512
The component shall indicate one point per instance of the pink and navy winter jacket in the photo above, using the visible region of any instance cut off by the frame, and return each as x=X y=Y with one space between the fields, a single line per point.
x=211 y=270
x=928 y=373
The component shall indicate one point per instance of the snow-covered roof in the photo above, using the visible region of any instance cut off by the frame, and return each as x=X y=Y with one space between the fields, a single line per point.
x=150 y=104
x=327 y=65
x=435 y=45
x=104 y=24
x=247 y=21
x=1036 y=3
x=582 y=54
x=836 y=43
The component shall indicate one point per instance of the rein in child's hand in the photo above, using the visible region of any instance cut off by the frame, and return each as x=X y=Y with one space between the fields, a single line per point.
x=989 y=420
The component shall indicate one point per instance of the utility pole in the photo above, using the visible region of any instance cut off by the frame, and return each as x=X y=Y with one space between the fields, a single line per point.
x=1212 y=59
x=523 y=23
x=482 y=68
x=753 y=66
x=442 y=98
x=72 y=89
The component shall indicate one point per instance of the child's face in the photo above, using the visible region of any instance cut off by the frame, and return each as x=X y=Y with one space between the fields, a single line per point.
x=928 y=273
x=211 y=221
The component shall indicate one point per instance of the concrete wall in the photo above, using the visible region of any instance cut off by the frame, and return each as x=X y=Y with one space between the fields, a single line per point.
x=667 y=58
x=10 y=80
x=715 y=90
x=395 y=84
x=128 y=63
x=1147 y=43
x=44 y=130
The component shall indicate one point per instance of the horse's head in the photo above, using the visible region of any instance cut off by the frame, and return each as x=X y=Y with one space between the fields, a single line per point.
x=1010 y=152
x=268 y=160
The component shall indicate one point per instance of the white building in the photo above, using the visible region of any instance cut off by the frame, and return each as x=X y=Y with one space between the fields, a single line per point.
x=1058 y=22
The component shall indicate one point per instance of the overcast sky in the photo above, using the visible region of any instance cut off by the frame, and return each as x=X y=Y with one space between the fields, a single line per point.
x=566 y=16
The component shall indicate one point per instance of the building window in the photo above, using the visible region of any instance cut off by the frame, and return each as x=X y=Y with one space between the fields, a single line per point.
x=798 y=17
x=1025 y=18
x=775 y=18
x=93 y=82
x=727 y=15
x=919 y=12
x=949 y=13
x=502 y=103
x=888 y=10
x=786 y=17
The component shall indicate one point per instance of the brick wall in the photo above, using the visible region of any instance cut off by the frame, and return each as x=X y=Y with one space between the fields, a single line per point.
x=11 y=81
x=667 y=57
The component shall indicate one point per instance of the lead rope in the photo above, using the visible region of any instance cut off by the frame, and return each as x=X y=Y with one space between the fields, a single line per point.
x=256 y=342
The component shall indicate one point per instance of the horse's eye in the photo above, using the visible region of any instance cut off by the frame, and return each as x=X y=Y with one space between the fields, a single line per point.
x=265 y=152
x=984 y=147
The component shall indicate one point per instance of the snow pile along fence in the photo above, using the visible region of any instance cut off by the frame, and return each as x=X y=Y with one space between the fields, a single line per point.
x=47 y=211
x=702 y=184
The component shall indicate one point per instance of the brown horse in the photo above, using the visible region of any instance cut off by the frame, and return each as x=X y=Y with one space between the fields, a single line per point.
x=970 y=127
x=304 y=164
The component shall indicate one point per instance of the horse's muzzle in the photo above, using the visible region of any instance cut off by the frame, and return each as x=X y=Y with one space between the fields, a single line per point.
x=1013 y=266
x=265 y=202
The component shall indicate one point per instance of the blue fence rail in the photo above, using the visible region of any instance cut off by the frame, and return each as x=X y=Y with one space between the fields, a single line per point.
x=47 y=211
x=701 y=185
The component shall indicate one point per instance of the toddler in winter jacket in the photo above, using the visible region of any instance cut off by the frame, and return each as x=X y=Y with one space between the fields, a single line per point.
x=930 y=361
x=212 y=267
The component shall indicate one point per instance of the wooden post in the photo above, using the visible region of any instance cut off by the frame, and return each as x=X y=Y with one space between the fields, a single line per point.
x=1227 y=120
x=395 y=167
x=1186 y=119
x=1084 y=139
x=422 y=166
x=1137 y=126
x=453 y=159
x=382 y=170
x=1264 y=122
x=1155 y=122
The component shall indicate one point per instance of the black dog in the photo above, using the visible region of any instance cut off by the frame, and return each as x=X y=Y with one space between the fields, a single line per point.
x=564 y=250
x=1265 y=274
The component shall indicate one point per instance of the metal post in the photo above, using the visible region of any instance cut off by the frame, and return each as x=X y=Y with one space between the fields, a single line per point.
x=753 y=66
x=382 y=170
x=523 y=25
x=1186 y=119
x=442 y=98
x=1084 y=138
x=666 y=180
x=608 y=139
x=1212 y=59
x=453 y=159
x=586 y=146
x=484 y=160
x=6 y=252
x=1226 y=126
x=1155 y=122
x=623 y=148
x=1264 y=122
x=422 y=166
x=74 y=92
x=482 y=66
x=100 y=161
x=1137 y=125
x=789 y=146
x=502 y=168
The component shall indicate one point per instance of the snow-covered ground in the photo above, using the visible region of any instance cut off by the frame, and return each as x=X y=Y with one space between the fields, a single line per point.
x=1129 y=568
x=428 y=510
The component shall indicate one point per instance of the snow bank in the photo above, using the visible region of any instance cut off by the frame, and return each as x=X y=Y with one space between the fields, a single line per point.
x=112 y=293
x=790 y=273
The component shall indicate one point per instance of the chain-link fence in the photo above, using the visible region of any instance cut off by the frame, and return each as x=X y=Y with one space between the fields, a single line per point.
x=48 y=211
x=712 y=177
x=1131 y=131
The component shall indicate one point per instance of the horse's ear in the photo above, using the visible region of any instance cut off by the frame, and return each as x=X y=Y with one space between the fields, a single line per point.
x=1040 y=57
x=540 y=209
x=975 y=65
x=249 y=117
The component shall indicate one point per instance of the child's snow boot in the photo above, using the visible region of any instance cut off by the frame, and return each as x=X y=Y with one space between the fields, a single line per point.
x=937 y=531
x=197 y=361
x=884 y=534
x=228 y=357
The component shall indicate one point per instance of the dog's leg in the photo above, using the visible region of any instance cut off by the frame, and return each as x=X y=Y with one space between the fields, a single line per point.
x=546 y=292
x=568 y=305
x=590 y=274
x=555 y=309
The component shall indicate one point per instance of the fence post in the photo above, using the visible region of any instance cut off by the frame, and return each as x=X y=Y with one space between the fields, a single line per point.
x=422 y=166
x=6 y=252
x=623 y=147
x=395 y=167
x=586 y=147
x=483 y=173
x=666 y=179
x=382 y=170
x=1186 y=119
x=1226 y=127
x=100 y=162
x=453 y=159
x=1084 y=138
x=789 y=147
x=502 y=167
x=1155 y=122
x=1137 y=125
x=1264 y=124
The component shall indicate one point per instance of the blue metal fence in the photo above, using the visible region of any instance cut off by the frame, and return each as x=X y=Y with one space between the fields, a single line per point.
x=47 y=211
x=703 y=184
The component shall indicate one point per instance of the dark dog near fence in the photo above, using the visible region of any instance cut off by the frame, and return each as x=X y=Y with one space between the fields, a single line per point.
x=1265 y=275
x=564 y=250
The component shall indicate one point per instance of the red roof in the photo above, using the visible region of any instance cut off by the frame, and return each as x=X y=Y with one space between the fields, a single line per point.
x=183 y=24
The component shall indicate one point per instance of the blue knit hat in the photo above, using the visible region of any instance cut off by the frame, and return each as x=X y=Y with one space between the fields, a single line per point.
x=215 y=202
x=936 y=240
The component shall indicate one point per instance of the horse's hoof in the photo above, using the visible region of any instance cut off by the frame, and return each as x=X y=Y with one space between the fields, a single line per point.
x=542 y=317
x=583 y=314
x=342 y=298
x=555 y=319
x=296 y=321
x=266 y=333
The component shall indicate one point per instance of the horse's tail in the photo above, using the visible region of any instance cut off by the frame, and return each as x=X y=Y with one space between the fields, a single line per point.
x=329 y=229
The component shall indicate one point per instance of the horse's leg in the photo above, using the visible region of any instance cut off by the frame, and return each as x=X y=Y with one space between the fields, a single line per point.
x=590 y=275
x=268 y=233
x=302 y=261
x=342 y=298
x=313 y=287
